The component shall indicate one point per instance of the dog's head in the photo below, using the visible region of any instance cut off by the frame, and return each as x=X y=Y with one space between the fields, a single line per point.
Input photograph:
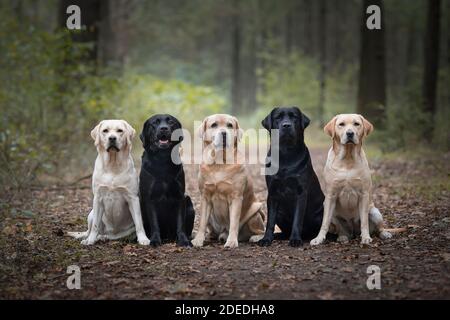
x=290 y=122
x=113 y=135
x=222 y=130
x=348 y=128
x=158 y=130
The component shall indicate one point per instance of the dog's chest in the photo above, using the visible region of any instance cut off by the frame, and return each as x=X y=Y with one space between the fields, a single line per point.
x=165 y=189
x=218 y=185
x=286 y=186
x=348 y=186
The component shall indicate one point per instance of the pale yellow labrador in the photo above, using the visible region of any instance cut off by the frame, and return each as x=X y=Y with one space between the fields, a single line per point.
x=348 y=206
x=116 y=211
x=229 y=209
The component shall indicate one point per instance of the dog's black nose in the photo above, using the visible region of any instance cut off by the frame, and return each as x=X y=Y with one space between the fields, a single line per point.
x=112 y=139
x=350 y=134
x=286 y=124
x=163 y=128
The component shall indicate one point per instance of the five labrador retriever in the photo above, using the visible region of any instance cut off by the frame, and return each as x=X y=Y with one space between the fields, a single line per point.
x=229 y=210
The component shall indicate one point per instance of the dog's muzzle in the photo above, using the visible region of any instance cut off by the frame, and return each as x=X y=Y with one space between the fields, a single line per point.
x=220 y=140
x=163 y=139
x=350 y=137
x=112 y=145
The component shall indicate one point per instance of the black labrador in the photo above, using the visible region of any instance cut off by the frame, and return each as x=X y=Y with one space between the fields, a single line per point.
x=167 y=213
x=295 y=199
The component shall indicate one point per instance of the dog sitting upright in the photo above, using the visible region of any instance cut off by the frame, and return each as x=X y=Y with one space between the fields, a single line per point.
x=295 y=200
x=116 y=212
x=229 y=209
x=167 y=212
x=349 y=209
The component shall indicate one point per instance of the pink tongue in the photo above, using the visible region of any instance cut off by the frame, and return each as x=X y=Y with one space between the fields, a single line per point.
x=163 y=141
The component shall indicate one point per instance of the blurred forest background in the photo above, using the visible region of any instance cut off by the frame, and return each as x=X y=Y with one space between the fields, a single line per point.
x=192 y=58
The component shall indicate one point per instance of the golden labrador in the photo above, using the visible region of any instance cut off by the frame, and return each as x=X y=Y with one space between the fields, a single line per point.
x=116 y=210
x=228 y=205
x=348 y=205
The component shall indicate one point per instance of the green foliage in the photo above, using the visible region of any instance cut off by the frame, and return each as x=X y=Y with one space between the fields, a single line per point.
x=35 y=84
x=141 y=96
x=294 y=81
x=51 y=96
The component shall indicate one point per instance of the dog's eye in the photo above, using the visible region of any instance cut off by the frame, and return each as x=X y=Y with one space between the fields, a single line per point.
x=105 y=130
x=341 y=124
x=214 y=125
x=230 y=125
x=356 y=124
x=119 y=130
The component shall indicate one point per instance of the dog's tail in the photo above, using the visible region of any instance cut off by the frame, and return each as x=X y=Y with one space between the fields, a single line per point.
x=78 y=235
x=395 y=230
x=377 y=218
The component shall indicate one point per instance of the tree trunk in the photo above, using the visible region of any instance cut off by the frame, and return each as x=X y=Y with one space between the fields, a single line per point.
x=323 y=60
x=432 y=37
x=289 y=32
x=308 y=45
x=113 y=35
x=236 y=96
x=372 y=71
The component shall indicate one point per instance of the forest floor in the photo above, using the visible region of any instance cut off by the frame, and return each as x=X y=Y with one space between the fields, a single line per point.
x=413 y=193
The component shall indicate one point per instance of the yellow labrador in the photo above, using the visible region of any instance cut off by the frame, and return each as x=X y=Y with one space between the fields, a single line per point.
x=116 y=210
x=348 y=206
x=228 y=205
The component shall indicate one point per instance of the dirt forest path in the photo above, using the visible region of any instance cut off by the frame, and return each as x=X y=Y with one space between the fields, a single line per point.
x=35 y=252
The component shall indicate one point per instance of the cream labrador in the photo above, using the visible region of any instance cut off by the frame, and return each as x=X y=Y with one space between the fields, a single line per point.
x=348 y=205
x=229 y=209
x=116 y=210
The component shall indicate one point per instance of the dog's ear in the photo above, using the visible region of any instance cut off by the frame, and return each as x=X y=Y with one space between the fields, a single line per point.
x=267 y=122
x=130 y=132
x=202 y=129
x=329 y=128
x=368 y=127
x=305 y=120
x=142 y=135
x=239 y=132
x=95 y=133
x=178 y=127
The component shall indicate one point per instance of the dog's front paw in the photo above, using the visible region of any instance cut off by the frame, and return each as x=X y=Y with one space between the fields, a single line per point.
x=317 y=240
x=264 y=242
x=144 y=241
x=197 y=242
x=87 y=242
x=295 y=242
x=184 y=243
x=366 y=240
x=231 y=243
x=155 y=241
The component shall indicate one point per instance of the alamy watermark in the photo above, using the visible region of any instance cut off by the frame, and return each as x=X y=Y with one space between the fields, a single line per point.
x=74 y=280
x=374 y=280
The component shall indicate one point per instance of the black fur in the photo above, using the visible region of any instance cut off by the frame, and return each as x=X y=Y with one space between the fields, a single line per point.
x=167 y=212
x=295 y=199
